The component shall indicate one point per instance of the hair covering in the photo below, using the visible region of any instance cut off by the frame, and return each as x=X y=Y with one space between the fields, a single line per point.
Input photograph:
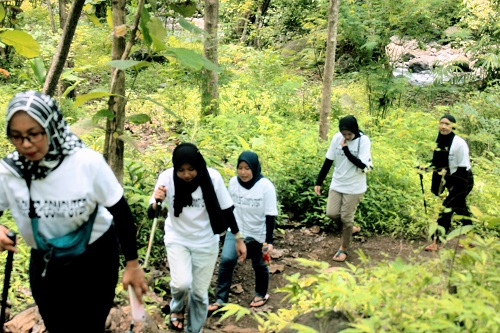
x=444 y=141
x=350 y=124
x=449 y=117
x=62 y=142
x=252 y=159
x=189 y=153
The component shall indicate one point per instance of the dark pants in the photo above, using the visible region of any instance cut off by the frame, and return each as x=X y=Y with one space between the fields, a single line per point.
x=455 y=202
x=76 y=296
x=228 y=262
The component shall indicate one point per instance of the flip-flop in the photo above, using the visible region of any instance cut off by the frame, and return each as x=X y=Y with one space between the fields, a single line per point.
x=336 y=257
x=259 y=301
x=180 y=326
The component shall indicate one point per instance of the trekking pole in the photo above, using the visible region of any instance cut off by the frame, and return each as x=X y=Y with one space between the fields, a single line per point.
x=152 y=234
x=422 y=187
x=6 y=281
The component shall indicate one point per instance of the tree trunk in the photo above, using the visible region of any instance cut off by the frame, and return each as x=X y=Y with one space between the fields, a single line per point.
x=113 y=145
x=51 y=16
x=210 y=85
x=63 y=12
x=331 y=44
x=61 y=54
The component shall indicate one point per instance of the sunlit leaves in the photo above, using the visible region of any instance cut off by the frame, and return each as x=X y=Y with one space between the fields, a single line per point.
x=191 y=59
x=22 y=42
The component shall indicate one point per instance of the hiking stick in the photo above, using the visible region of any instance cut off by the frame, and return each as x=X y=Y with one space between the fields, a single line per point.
x=6 y=281
x=152 y=234
x=423 y=192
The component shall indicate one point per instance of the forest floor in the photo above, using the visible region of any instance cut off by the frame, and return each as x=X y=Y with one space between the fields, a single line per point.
x=309 y=244
x=293 y=243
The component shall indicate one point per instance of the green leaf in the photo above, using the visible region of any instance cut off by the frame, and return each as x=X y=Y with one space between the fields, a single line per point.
x=143 y=25
x=2 y=12
x=94 y=19
x=233 y=309
x=459 y=231
x=22 y=42
x=104 y=113
x=243 y=143
x=126 y=64
x=38 y=68
x=186 y=9
x=158 y=33
x=80 y=99
x=192 y=59
x=191 y=27
x=140 y=118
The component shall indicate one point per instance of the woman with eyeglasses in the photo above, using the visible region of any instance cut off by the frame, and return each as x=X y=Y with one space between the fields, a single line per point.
x=59 y=190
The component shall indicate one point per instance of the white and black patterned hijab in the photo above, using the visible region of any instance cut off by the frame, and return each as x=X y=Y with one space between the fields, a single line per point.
x=62 y=142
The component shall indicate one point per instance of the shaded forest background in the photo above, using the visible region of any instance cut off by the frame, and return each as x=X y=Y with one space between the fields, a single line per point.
x=271 y=58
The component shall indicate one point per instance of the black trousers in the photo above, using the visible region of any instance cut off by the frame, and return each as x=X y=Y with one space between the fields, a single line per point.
x=455 y=202
x=76 y=296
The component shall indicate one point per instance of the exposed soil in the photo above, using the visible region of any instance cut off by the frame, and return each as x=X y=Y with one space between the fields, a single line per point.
x=311 y=244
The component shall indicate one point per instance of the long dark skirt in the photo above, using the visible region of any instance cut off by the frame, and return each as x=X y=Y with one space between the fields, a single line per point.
x=77 y=296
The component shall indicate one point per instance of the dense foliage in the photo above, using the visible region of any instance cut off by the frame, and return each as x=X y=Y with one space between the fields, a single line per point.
x=269 y=97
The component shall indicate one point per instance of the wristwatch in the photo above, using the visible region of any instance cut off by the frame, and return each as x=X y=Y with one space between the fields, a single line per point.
x=238 y=235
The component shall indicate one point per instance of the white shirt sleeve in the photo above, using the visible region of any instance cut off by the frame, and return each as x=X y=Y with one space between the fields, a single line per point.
x=221 y=191
x=108 y=190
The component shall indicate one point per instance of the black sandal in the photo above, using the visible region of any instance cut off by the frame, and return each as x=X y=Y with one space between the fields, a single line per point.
x=179 y=328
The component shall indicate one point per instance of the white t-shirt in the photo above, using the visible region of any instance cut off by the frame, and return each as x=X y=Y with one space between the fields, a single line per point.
x=252 y=206
x=459 y=155
x=64 y=199
x=192 y=227
x=346 y=176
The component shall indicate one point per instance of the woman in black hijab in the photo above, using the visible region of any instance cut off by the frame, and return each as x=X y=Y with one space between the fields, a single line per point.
x=452 y=171
x=350 y=149
x=202 y=209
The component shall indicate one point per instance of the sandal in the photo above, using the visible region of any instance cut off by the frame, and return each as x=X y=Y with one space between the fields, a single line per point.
x=180 y=323
x=214 y=307
x=259 y=301
x=431 y=247
x=337 y=255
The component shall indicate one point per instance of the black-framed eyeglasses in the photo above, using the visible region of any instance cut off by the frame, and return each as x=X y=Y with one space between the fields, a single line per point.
x=18 y=139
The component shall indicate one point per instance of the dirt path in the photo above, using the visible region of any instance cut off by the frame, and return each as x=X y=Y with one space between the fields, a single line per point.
x=306 y=243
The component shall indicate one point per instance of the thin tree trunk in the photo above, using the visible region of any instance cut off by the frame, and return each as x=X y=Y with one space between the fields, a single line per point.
x=61 y=54
x=63 y=12
x=114 y=147
x=210 y=85
x=331 y=44
x=51 y=16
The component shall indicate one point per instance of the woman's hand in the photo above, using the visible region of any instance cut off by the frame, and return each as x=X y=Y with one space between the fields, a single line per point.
x=241 y=250
x=134 y=276
x=270 y=248
x=5 y=242
x=159 y=194
x=343 y=143
x=317 y=189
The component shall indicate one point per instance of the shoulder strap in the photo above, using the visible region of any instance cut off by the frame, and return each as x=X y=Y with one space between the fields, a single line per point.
x=32 y=213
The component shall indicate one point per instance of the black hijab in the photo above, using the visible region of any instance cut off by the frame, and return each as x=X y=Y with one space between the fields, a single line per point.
x=444 y=141
x=189 y=153
x=350 y=124
x=442 y=151
x=62 y=142
x=252 y=159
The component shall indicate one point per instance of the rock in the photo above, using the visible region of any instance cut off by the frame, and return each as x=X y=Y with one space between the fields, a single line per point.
x=27 y=321
x=330 y=322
